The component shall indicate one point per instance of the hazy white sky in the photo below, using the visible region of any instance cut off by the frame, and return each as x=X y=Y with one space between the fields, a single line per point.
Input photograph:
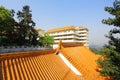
x=50 y=14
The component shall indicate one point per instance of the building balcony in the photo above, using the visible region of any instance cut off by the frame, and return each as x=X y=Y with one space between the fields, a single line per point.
x=56 y=41
x=61 y=33
x=81 y=37
x=64 y=37
x=83 y=31
x=83 y=34
x=82 y=41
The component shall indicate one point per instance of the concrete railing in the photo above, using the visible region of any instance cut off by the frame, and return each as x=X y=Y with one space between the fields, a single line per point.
x=22 y=48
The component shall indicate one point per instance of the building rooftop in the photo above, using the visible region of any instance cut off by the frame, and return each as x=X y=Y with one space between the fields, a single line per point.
x=47 y=65
x=66 y=28
x=37 y=65
x=61 y=29
x=84 y=60
x=81 y=28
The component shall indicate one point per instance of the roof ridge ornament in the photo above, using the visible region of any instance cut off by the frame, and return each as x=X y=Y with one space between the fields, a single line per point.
x=60 y=44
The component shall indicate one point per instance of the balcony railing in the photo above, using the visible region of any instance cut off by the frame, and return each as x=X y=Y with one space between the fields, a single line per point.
x=62 y=37
x=61 y=33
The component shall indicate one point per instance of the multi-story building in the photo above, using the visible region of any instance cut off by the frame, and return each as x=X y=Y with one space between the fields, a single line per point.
x=69 y=34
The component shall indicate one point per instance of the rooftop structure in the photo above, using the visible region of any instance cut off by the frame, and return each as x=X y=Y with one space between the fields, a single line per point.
x=40 y=31
x=69 y=34
x=64 y=63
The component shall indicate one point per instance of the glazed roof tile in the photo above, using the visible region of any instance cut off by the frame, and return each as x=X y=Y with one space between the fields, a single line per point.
x=61 y=29
x=66 y=28
x=84 y=60
x=40 y=65
x=46 y=65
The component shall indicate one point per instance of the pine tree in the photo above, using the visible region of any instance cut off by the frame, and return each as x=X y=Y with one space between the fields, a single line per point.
x=111 y=63
x=27 y=35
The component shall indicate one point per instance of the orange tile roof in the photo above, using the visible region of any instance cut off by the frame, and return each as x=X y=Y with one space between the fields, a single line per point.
x=80 y=28
x=84 y=60
x=66 y=28
x=37 y=65
x=61 y=29
x=45 y=65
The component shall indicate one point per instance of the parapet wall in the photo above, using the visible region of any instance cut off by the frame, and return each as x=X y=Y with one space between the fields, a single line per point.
x=22 y=48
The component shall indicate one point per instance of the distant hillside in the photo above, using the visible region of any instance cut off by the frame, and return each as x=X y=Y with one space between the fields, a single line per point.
x=98 y=47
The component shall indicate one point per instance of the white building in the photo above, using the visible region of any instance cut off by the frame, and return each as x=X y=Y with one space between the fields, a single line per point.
x=69 y=34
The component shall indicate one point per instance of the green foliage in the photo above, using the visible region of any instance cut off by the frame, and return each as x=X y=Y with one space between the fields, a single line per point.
x=17 y=33
x=115 y=11
x=111 y=64
x=5 y=14
x=96 y=51
x=6 y=26
x=47 y=40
